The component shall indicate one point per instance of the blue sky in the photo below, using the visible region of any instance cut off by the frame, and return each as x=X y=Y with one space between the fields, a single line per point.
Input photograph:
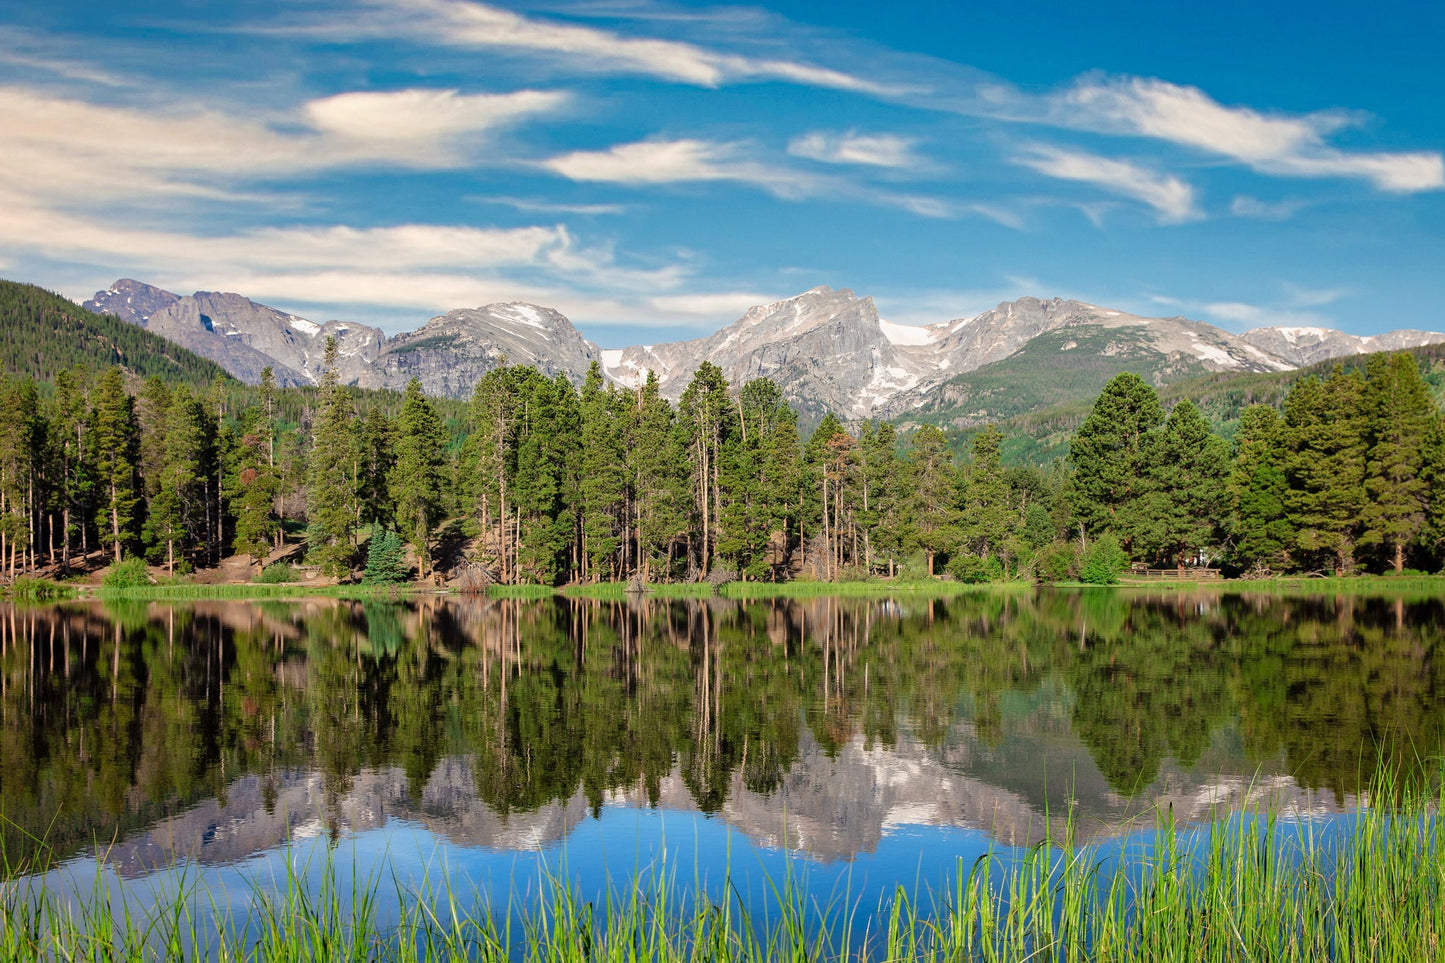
x=653 y=169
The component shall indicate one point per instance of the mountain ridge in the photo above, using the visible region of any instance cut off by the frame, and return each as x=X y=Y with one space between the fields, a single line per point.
x=828 y=350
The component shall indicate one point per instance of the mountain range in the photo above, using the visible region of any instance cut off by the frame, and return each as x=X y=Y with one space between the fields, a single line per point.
x=827 y=349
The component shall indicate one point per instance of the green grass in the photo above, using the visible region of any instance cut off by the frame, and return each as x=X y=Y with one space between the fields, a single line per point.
x=183 y=591
x=617 y=591
x=520 y=591
x=26 y=589
x=1265 y=887
x=1389 y=586
x=870 y=589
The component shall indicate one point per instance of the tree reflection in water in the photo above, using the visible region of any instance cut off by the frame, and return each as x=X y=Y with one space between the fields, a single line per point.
x=113 y=717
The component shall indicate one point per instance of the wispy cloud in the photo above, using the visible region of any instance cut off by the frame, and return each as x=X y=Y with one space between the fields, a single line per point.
x=682 y=161
x=32 y=52
x=460 y=23
x=1252 y=207
x=1171 y=198
x=535 y=206
x=1299 y=307
x=1276 y=144
x=66 y=149
x=851 y=147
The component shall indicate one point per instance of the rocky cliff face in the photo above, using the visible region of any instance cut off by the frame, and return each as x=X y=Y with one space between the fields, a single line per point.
x=1305 y=346
x=450 y=354
x=828 y=350
x=240 y=335
x=130 y=301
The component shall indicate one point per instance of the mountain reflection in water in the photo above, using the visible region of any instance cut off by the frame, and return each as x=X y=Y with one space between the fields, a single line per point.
x=218 y=730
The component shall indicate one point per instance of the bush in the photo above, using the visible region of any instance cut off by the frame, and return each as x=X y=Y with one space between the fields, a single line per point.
x=1055 y=562
x=1103 y=561
x=277 y=574
x=130 y=573
x=27 y=589
x=972 y=570
x=385 y=559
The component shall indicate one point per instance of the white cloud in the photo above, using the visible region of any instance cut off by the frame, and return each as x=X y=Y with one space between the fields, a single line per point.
x=699 y=161
x=69 y=150
x=34 y=51
x=681 y=161
x=534 y=206
x=412 y=120
x=851 y=147
x=1252 y=207
x=1171 y=198
x=459 y=23
x=692 y=307
x=1296 y=311
x=1284 y=145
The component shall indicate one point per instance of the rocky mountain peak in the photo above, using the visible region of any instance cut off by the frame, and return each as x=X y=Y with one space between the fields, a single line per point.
x=131 y=301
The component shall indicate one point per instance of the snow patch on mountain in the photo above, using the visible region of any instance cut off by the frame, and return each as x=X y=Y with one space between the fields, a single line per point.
x=910 y=334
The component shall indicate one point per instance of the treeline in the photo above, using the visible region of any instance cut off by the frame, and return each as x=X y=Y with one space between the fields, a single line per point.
x=549 y=483
x=1349 y=475
x=46 y=334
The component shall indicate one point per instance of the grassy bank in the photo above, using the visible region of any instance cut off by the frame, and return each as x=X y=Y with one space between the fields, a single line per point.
x=616 y=591
x=1364 y=888
x=1409 y=586
x=184 y=591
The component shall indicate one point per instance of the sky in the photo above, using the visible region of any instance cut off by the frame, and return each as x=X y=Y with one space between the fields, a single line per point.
x=653 y=169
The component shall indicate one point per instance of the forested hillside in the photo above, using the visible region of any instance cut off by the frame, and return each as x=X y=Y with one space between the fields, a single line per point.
x=541 y=482
x=45 y=334
x=1039 y=433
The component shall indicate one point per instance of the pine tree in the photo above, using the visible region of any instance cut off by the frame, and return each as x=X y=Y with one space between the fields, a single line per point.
x=178 y=509
x=74 y=478
x=252 y=484
x=886 y=494
x=933 y=508
x=493 y=441
x=1183 y=503
x=603 y=477
x=331 y=498
x=1400 y=414
x=377 y=459
x=385 y=558
x=1325 y=468
x=988 y=520
x=758 y=478
x=660 y=480
x=1256 y=492
x=22 y=434
x=1111 y=456
x=547 y=429
x=114 y=445
x=706 y=418
x=419 y=473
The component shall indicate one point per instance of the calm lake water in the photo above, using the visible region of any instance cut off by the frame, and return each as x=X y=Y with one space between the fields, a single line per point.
x=862 y=743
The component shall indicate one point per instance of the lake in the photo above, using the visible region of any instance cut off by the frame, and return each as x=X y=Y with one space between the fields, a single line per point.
x=861 y=743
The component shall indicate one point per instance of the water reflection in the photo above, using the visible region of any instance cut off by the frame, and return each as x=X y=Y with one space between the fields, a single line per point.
x=218 y=730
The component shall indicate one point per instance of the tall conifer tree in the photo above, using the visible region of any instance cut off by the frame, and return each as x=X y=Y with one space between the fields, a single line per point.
x=419 y=473
x=115 y=452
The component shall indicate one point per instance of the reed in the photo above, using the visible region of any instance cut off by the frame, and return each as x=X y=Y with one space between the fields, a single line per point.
x=1263 y=886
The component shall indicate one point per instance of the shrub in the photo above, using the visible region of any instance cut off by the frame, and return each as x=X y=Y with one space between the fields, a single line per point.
x=1103 y=561
x=1055 y=562
x=130 y=573
x=277 y=574
x=972 y=570
x=385 y=559
x=27 y=589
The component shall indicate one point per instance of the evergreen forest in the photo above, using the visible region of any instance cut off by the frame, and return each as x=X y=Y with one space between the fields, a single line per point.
x=539 y=481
